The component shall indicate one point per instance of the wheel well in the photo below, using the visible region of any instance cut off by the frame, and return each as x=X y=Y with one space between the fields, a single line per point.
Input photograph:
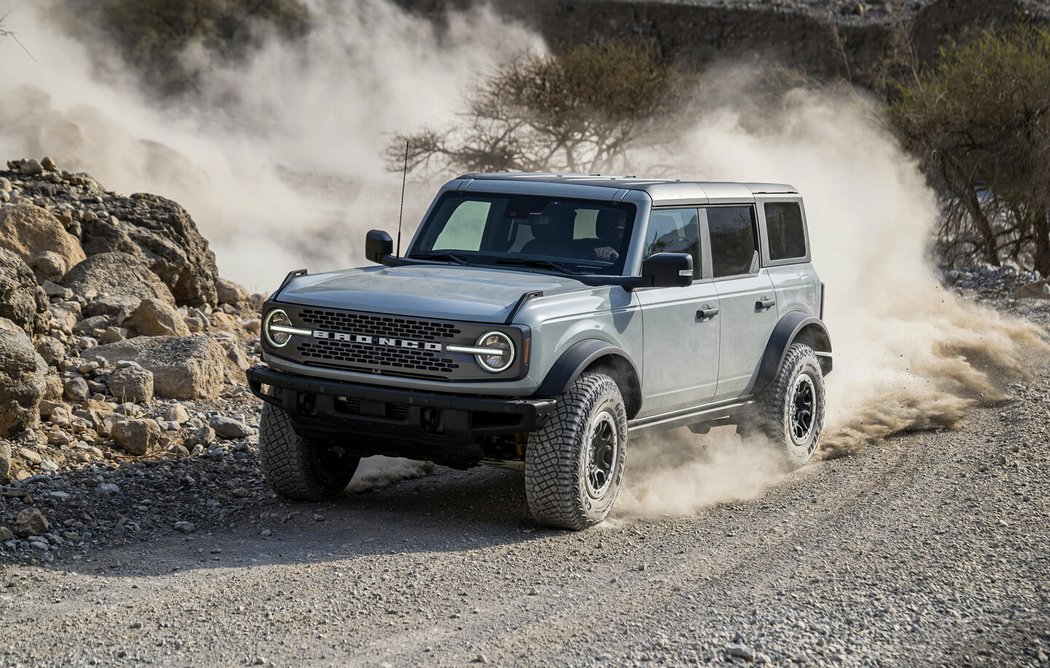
x=620 y=370
x=816 y=338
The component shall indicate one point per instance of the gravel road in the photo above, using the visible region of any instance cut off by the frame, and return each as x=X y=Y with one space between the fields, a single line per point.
x=931 y=548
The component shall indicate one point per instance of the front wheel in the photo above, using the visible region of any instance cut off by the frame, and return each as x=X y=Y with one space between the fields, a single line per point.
x=792 y=407
x=574 y=464
x=300 y=468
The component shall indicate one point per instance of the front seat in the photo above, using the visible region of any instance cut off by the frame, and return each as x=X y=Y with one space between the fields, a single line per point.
x=552 y=237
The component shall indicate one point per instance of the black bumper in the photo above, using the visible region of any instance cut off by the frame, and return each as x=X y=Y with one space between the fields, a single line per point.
x=395 y=422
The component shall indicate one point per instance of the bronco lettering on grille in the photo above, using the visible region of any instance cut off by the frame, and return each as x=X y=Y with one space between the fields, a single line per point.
x=387 y=341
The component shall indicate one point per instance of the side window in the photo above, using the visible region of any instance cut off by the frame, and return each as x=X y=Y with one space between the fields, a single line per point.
x=464 y=228
x=674 y=231
x=785 y=231
x=733 y=240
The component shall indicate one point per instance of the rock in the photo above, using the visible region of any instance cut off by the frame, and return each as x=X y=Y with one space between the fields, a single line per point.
x=5 y=185
x=741 y=652
x=22 y=380
x=5 y=460
x=48 y=265
x=132 y=383
x=48 y=164
x=55 y=291
x=29 y=230
x=31 y=167
x=176 y=413
x=135 y=436
x=116 y=274
x=203 y=436
x=184 y=527
x=20 y=300
x=88 y=326
x=112 y=335
x=64 y=315
x=184 y=367
x=154 y=317
x=31 y=522
x=117 y=307
x=76 y=389
x=51 y=349
x=229 y=292
x=161 y=233
x=227 y=427
x=107 y=488
x=1037 y=290
x=6 y=534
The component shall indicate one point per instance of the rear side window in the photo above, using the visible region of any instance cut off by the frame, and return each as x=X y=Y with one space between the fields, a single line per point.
x=674 y=231
x=733 y=247
x=787 y=234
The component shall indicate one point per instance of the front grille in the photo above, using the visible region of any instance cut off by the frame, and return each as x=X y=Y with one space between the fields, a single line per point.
x=379 y=325
x=376 y=357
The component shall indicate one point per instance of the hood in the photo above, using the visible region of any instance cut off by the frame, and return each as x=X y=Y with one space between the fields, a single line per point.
x=431 y=291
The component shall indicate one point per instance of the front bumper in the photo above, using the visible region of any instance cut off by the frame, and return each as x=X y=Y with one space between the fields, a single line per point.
x=373 y=420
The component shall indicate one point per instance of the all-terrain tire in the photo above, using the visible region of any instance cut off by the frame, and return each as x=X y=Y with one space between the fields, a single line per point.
x=300 y=468
x=791 y=409
x=571 y=476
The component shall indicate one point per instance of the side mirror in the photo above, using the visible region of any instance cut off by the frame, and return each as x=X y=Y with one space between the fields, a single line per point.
x=668 y=270
x=378 y=245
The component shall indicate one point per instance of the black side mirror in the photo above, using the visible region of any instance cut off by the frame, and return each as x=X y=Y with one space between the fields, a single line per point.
x=668 y=270
x=378 y=245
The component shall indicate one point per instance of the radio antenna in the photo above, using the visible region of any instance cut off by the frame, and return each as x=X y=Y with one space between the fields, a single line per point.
x=401 y=213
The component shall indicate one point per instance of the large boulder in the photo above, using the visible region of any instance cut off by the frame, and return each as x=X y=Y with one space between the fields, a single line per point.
x=21 y=300
x=28 y=230
x=183 y=367
x=116 y=275
x=22 y=380
x=163 y=234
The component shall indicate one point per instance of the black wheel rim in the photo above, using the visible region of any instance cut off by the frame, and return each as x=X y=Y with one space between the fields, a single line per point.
x=603 y=445
x=803 y=410
x=331 y=463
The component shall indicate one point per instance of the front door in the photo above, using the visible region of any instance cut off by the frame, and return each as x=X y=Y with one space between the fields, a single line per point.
x=680 y=325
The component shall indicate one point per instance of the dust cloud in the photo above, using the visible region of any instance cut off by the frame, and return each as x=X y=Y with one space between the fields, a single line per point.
x=278 y=159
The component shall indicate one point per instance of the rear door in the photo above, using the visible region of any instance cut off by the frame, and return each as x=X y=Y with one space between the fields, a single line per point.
x=746 y=297
x=681 y=325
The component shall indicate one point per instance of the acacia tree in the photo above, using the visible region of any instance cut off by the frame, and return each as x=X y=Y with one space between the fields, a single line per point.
x=980 y=120
x=581 y=111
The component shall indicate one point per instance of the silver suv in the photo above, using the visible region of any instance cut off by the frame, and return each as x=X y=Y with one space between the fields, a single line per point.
x=539 y=321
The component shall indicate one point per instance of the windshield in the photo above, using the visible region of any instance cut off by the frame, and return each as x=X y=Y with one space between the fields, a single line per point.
x=540 y=232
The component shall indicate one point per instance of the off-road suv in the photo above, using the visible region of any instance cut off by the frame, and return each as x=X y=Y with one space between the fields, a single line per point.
x=539 y=321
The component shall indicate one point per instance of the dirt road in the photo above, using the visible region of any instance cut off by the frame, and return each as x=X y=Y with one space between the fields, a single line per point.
x=932 y=548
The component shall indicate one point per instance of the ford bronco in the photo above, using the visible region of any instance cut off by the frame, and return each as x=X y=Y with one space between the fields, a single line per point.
x=539 y=321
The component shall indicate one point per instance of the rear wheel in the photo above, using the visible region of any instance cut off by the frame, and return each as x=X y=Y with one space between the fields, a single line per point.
x=574 y=464
x=791 y=410
x=300 y=468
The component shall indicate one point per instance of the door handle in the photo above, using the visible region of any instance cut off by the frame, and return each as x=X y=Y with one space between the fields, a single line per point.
x=765 y=304
x=706 y=312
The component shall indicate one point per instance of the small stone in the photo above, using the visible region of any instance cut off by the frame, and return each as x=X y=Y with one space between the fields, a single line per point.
x=31 y=167
x=136 y=436
x=176 y=413
x=240 y=492
x=227 y=427
x=112 y=335
x=6 y=534
x=201 y=437
x=49 y=266
x=155 y=317
x=533 y=591
x=31 y=522
x=184 y=527
x=76 y=389
x=48 y=164
x=318 y=517
x=266 y=533
x=741 y=652
x=107 y=488
x=131 y=383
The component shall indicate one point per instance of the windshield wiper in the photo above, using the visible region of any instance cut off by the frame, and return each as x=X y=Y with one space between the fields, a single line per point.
x=535 y=262
x=440 y=256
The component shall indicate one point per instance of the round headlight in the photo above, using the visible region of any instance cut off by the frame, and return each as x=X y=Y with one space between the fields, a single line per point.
x=500 y=354
x=280 y=319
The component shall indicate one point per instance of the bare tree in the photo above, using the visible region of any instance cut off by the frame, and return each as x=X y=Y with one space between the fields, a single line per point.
x=581 y=111
x=980 y=120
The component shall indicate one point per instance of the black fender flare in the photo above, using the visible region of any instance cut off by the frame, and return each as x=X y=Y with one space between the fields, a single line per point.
x=574 y=361
x=784 y=334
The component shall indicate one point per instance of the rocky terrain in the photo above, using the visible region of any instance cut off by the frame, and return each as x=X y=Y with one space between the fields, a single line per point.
x=121 y=352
